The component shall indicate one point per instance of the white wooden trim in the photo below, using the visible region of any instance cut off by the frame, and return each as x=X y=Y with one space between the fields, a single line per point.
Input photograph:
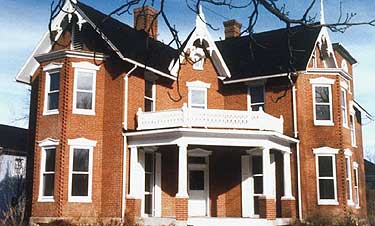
x=355 y=171
x=51 y=68
x=82 y=142
x=347 y=152
x=48 y=142
x=246 y=197
x=198 y=84
x=249 y=101
x=80 y=199
x=182 y=172
x=323 y=122
x=88 y=68
x=348 y=178
x=325 y=150
x=41 y=197
x=322 y=81
x=333 y=201
x=344 y=108
x=157 y=189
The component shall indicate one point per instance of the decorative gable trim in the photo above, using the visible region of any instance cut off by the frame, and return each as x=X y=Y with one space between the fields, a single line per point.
x=325 y=150
x=85 y=65
x=201 y=33
x=83 y=142
x=198 y=84
x=48 y=142
x=322 y=80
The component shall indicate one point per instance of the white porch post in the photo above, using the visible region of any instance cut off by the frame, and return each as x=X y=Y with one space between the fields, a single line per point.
x=182 y=171
x=134 y=174
x=287 y=177
x=268 y=175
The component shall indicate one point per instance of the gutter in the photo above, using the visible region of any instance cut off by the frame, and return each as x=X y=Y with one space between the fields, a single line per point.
x=259 y=78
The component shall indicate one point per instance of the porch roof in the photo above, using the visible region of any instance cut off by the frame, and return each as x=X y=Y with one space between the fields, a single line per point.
x=210 y=137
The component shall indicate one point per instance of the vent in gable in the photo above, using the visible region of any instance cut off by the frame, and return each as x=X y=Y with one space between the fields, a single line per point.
x=77 y=43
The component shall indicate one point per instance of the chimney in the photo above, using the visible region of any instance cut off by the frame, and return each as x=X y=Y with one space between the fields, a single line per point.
x=232 y=28
x=144 y=20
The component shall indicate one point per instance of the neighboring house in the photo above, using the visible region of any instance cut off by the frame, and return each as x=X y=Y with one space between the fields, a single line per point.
x=370 y=175
x=125 y=125
x=13 y=155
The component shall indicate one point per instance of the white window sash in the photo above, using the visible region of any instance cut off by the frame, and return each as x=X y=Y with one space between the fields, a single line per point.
x=153 y=96
x=344 y=109
x=46 y=111
x=76 y=90
x=356 y=187
x=250 y=103
x=42 y=197
x=328 y=122
x=195 y=105
x=352 y=130
x=349 y=180
x=333 y=201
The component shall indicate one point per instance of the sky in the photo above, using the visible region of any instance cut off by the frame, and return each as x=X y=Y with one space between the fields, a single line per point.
x=23 y=22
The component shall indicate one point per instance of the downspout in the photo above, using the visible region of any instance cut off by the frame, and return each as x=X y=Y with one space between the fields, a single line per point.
x=295 y=133
x=125 y=127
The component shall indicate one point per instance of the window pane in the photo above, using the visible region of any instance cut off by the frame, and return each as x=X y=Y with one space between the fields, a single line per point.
x=326 y=188
x=149 y=182
x=148 y=89
x=48 y=184
x=257 y=165
x=196 y=179
x=149 y=162
x=50 y=160
x=257 y=94
x=348 y=190
x=54 y=81
x=343 y=103
x=80 y=184
x=323 y=112
x=321 y=94
x=197 y=97
x=84 y=100
x=256 y=107
x=256 y=205
x=148 y=105
x=85 y=80
x=347 y=164
x=148 y=204
x=53 y=101
x=355 y=178
x=325 y=166
x=81 y=160
x=258 y=185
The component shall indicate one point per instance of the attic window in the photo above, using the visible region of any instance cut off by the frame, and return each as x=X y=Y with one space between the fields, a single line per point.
x=198 y=59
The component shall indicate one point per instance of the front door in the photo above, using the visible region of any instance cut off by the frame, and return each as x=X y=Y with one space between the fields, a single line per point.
x=198 y=187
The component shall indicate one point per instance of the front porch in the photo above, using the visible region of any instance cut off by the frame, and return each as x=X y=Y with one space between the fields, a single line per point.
x=195 y=175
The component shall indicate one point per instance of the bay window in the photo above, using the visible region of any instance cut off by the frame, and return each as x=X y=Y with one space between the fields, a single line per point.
x=80 y=170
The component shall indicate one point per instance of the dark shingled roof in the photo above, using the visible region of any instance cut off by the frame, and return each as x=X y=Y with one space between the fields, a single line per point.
x=267 y=52
x=13 y=138
x=341 y=49
x=132 y=44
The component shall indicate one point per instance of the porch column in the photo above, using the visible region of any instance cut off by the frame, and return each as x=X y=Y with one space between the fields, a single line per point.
x=182 y=196
x=288 y=205
x=133 y=202
x=267 y=202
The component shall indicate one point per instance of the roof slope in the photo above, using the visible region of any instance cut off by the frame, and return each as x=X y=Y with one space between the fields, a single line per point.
x=266 y=53
x=13 y=138
x=131 y=43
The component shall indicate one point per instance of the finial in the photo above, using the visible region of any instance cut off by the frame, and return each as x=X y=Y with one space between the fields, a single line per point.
x=322 y=16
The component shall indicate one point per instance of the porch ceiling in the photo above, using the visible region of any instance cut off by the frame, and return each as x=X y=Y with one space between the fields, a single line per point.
x=217 y=137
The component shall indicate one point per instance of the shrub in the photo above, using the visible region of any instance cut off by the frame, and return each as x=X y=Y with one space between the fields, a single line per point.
x=371 y=206
x=319 y=219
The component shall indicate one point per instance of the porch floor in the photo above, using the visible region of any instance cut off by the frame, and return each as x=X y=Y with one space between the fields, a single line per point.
x=217 y=221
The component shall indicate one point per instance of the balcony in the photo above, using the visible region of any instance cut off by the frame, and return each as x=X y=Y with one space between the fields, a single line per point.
x=209 y=118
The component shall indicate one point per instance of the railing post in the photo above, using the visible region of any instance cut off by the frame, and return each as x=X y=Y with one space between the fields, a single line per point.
x=139 y=119
x=185 y=114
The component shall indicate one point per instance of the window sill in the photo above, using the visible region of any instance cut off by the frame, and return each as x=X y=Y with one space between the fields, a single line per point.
x=351 y=203
x=51 y=112
x=323 y=123
x=346 y=126
x=328 y=203
x=83 y=112
x=80 y=199
x=46 y=199
x=354 y=146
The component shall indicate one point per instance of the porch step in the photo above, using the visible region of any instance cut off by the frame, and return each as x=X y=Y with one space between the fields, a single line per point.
x=157 y=221
x=217 y=221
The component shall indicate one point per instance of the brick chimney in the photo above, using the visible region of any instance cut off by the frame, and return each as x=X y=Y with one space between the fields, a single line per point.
x=232 y=28
x=144 y=20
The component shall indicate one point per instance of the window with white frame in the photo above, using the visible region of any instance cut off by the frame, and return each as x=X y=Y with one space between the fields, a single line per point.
x=84 y=88
x=47 y=170
x=326 y=175
x=322 y=101
x=257 y=170
x=149 y=96
x=348 y=177
x=344 y=109
x=80 y=170
x=52 y=88
x=356 y=184
x=198 y=94
x=198 y=59
x=352 y=130
x=314 y=60
x=256 y=98
x=344 y=65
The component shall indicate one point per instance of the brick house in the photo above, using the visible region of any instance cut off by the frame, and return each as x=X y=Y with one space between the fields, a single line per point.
x=219 y=134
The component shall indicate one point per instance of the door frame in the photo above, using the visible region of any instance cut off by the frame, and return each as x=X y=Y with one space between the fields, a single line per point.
x=199 y=152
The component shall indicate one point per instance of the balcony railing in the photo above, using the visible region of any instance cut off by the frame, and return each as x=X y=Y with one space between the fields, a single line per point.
x=209 y=118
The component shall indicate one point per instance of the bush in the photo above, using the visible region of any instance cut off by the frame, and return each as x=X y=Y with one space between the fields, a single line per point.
x=319 y=219
x=79 y=222
x=371 y=206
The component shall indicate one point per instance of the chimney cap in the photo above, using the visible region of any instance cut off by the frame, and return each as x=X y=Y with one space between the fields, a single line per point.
x=232 y=22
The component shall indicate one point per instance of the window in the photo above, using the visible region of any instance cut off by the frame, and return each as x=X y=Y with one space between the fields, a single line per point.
x=344 y=110
x=257 y=170
x=80 y=170
x=84 y=88
x=256 y=98
x=344 y=66
x=326 y=175
x=322 y=101
x=348 y=177
x=314 y=60
x=47 y=170
x=352 y=130
x=198 y=94
x=149 y=182
x=149 y=96
x=356 y=184
x=52 y=88
x=197 y=58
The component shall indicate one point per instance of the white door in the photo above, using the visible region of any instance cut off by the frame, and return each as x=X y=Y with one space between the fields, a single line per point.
x=198 y=190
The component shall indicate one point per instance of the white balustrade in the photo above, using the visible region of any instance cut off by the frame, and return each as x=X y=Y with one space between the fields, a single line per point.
x=209 y=118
